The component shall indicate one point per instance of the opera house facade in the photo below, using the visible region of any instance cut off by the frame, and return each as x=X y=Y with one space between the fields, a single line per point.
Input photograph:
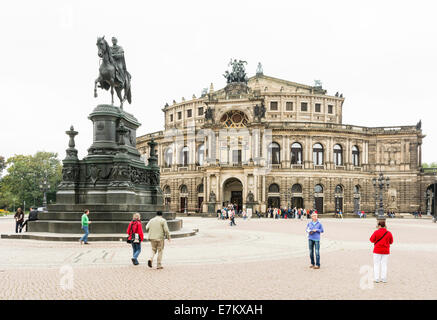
x=263 y=141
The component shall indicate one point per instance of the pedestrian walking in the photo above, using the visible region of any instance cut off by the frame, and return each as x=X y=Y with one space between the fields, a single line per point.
x=244 y=214
x=33 y=216
x=158 y=230
x=85 y=226
x=232 y=218
x=382 y=239
x=136 y=236
x=19 y=218
x=340 y=214
x=314 y=229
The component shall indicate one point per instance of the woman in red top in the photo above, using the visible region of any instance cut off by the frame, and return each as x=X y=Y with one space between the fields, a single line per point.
x=382 y=239
x=135 y=232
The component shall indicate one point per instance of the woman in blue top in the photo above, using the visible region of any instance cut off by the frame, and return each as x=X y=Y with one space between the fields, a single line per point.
x=314 y=229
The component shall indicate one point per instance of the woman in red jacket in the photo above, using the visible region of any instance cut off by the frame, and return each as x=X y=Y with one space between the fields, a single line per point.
x=382 y=239
x=135 y=232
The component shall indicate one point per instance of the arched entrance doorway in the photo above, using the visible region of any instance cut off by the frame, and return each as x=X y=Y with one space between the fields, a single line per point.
x=297 y=196
x=318 y=198
x=183 y=195
x=233 y=193
x=274 y=199
x=338 y=196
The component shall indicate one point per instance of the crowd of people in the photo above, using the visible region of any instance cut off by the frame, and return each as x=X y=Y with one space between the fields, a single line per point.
x=289 y=213
x=230 y=211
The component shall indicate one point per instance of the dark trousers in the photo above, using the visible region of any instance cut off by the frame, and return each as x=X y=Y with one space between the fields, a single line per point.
x=18 y=226
x=233 y=221
x=314 y=245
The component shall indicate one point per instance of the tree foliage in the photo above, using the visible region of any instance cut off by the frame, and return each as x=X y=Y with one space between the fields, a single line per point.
x=2 y=165
x=24 y=176
x=429 y=165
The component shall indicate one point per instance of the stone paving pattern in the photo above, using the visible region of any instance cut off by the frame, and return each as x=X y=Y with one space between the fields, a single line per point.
x=257 y=259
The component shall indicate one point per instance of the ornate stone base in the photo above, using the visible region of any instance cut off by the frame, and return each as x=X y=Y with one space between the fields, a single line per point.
x=112 y=181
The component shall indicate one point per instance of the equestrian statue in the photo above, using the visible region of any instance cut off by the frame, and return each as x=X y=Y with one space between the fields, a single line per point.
x=112 y=72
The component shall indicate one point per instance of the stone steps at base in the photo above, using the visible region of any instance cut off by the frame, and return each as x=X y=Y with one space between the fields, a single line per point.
x=46 y=236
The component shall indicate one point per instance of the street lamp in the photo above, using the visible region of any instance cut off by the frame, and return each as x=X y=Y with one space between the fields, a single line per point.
x=44 y=186
x=380 y=183
x=287 y=195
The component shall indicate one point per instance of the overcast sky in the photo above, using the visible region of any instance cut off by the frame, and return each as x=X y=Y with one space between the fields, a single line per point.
x=380 y=54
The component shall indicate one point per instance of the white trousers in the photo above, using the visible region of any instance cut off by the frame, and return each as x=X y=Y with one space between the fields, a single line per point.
x=380 y=266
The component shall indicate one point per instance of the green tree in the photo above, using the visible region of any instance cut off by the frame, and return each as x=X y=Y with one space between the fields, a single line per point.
x=24 y=175
x=2 y=165
x=429 y=165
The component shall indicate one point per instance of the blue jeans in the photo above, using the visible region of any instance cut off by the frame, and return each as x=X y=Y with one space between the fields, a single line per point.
x=85 y=236
x=136 y=247
x=314 y=244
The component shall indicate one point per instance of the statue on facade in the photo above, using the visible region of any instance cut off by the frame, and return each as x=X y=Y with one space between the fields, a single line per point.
x=419 y=125
x=209 y=114
x=238 y=73
x=212 y=197
x=112 y=72
x=259 y=69
x=259 y=111
x=250 y=197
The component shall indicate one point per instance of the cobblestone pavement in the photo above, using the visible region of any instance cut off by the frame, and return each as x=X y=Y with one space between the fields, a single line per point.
x=257 y=259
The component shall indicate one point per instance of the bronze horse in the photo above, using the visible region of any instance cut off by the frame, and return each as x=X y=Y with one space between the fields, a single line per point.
x=107 y=74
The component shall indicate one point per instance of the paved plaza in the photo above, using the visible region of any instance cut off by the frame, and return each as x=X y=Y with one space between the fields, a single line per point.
x=257 y=259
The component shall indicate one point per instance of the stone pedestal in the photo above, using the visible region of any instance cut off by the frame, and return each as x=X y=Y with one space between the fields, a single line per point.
x=111 y=181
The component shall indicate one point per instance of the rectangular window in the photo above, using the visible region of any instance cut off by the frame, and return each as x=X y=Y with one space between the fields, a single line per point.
x=330 y=109
x=304 y=106
x=289 y=106
x=200 y=111
x=274 y=105
x=179 y=115
x=189 y=113
x=318 y=107
x=171 y=118
x=236 y=156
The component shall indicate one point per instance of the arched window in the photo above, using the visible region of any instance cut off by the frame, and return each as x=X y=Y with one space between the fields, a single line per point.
x=355 y=156
x=167 y=190
x=338 y=155
x=274 y=153
x=168 y=157
x=234 y=119
x=357 y=189
x=274 y=188
x=184 y=189
x=318 y=154
x=184 y=156
x=318 y=188
x=296 y=153
x=338 y=189
x=201 y=154
x=200 y=188
x=296 y=188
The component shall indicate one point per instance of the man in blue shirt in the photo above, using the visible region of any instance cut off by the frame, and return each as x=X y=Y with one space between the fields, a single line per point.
x=314 y=229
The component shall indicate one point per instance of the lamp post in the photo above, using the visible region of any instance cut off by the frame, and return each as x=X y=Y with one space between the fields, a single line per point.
x=379 y=184
x=287 y=195
x=44 y=186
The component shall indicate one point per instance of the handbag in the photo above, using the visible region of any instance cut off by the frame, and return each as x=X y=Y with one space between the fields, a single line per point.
x=129 y=241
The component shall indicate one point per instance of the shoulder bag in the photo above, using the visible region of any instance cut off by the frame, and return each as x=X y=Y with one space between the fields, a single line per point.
x=130 y=234
x=380 y=238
